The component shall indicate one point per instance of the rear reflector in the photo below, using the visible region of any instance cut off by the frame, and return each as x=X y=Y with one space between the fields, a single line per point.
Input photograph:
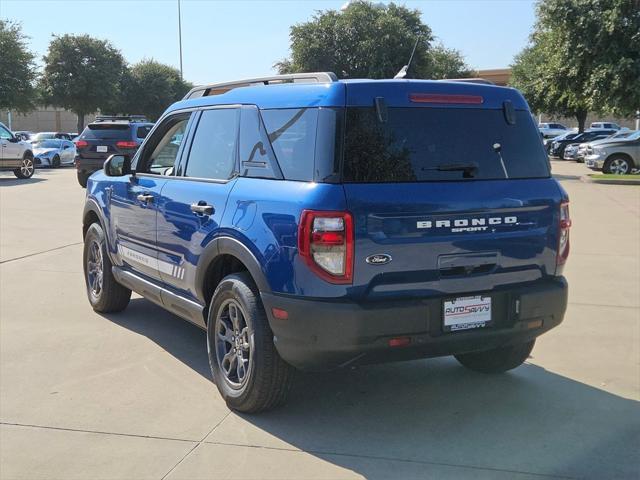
x=440 y=98
x=279 y=313
x=399 y=342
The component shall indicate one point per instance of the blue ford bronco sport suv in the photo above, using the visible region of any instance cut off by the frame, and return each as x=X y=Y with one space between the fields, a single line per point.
x=310 y=223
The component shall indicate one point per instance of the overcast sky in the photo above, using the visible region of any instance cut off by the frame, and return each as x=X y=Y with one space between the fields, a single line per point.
x=224 y=40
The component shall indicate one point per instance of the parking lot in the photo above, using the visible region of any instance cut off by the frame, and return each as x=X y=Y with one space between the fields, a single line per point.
x=129 y=395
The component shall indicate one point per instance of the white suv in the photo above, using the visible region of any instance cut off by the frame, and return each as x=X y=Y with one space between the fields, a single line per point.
x=15 y=155
x=552 y=130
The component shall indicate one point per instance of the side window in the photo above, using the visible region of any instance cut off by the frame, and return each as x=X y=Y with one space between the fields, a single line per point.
x=5 y=134
x=162 y=149
x=256 y=155
x=213 y=150
x=292 y=133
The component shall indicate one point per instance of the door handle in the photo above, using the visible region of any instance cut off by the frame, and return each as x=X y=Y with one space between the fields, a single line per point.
x=202 y=208
x=145 y=198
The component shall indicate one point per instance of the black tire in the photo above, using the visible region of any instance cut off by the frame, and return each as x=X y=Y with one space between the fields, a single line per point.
x=497 y=360
x=55 y=162
x=267 y=378
x=110 y=296
x=618 y=164
x=82 y=179
x=27 y=169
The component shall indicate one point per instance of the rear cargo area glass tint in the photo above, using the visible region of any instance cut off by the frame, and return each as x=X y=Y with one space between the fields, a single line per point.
x=426 y=144
x=106 y=132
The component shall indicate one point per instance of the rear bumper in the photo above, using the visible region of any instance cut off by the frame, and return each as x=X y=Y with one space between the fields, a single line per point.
x=87 y=166
x=320 y=335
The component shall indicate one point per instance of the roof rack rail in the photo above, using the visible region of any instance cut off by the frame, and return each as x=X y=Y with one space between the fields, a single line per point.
x=220 y=88
x=483 y=81
x=130 y=118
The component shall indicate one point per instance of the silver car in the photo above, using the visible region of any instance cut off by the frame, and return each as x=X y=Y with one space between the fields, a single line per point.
x=618 y=155
x=54 y=152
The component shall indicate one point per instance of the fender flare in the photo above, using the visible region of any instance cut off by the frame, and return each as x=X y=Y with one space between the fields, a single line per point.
x=229 y=246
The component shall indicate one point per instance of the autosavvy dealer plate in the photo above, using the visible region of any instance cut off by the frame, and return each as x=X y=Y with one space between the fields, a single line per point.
x=465 y=313
x=102 y=148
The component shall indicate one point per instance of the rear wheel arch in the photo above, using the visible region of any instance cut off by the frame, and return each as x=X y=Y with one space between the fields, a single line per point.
x=222 y=257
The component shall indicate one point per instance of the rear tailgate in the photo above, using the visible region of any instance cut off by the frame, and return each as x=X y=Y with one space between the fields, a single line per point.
x=450 y=189
x=453 y=237
x=99 y=141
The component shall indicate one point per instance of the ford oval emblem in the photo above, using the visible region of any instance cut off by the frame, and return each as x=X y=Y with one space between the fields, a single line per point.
x=378 y=259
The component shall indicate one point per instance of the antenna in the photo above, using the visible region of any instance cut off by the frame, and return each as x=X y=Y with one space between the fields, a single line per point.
x=405 y=70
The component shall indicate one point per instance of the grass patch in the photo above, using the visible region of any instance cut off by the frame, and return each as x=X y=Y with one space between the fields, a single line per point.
x=611 y=176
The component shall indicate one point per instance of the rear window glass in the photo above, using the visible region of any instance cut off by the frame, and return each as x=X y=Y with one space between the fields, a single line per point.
x=105 y=131
x=143 y=131
x=436 y=144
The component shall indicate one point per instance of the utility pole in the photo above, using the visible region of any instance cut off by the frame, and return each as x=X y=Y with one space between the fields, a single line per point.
x=180 y=37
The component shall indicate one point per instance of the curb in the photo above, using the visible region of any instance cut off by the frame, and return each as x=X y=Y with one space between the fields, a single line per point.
x=588 y=179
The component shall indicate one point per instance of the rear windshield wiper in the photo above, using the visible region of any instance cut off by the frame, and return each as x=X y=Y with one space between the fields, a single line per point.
x=468 y=169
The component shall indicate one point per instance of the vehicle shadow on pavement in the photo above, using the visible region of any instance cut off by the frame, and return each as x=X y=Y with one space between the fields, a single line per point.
x=9 y=181
x=433 y=414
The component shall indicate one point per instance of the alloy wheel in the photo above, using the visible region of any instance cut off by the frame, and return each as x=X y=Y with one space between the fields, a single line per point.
x=233 y=344
x=27 y=167
x=618 y=166
x=95 y=269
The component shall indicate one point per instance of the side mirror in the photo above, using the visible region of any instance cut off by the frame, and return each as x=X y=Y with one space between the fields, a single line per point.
x=117 y=166
x=15 y=139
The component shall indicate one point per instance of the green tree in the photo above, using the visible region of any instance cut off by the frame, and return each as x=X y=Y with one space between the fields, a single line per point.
x=149 y=87
x=82 y=74
x=584 y=55
x=368 y=40
x=17 y=69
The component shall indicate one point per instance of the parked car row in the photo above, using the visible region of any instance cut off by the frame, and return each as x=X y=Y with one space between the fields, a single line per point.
x=617 y=155
x=23 y=150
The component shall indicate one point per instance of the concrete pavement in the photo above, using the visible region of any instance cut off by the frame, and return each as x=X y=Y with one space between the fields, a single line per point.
x=129 y=396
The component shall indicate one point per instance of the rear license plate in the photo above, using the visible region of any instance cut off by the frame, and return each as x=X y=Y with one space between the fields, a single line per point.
x=102 y=148
x=465 y=313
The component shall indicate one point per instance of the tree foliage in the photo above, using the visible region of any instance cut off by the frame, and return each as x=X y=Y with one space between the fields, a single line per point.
x=82 y=74
x=17 y=69
x=148 y=88
x=584 y=55
x=367 y=40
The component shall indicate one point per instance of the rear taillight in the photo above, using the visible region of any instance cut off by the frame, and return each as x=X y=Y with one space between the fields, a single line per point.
x=126 y=144
x=563 y=242
x=82 y=144
x=325 y=241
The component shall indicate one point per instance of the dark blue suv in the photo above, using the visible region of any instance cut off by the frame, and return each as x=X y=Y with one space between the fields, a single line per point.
x=310 y=223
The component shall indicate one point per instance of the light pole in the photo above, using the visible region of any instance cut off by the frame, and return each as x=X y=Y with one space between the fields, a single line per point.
x=180 y=36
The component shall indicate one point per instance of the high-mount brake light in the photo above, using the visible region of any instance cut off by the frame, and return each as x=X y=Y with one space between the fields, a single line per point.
x=325 y=242
x=126 y=144
x=564 y=225
x=444 y=98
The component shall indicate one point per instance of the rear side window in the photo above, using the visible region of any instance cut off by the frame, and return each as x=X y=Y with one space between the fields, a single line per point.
x=438 y=144
x=256 y=155
x=213 y=150
x=292 y=133
x=106 y=131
